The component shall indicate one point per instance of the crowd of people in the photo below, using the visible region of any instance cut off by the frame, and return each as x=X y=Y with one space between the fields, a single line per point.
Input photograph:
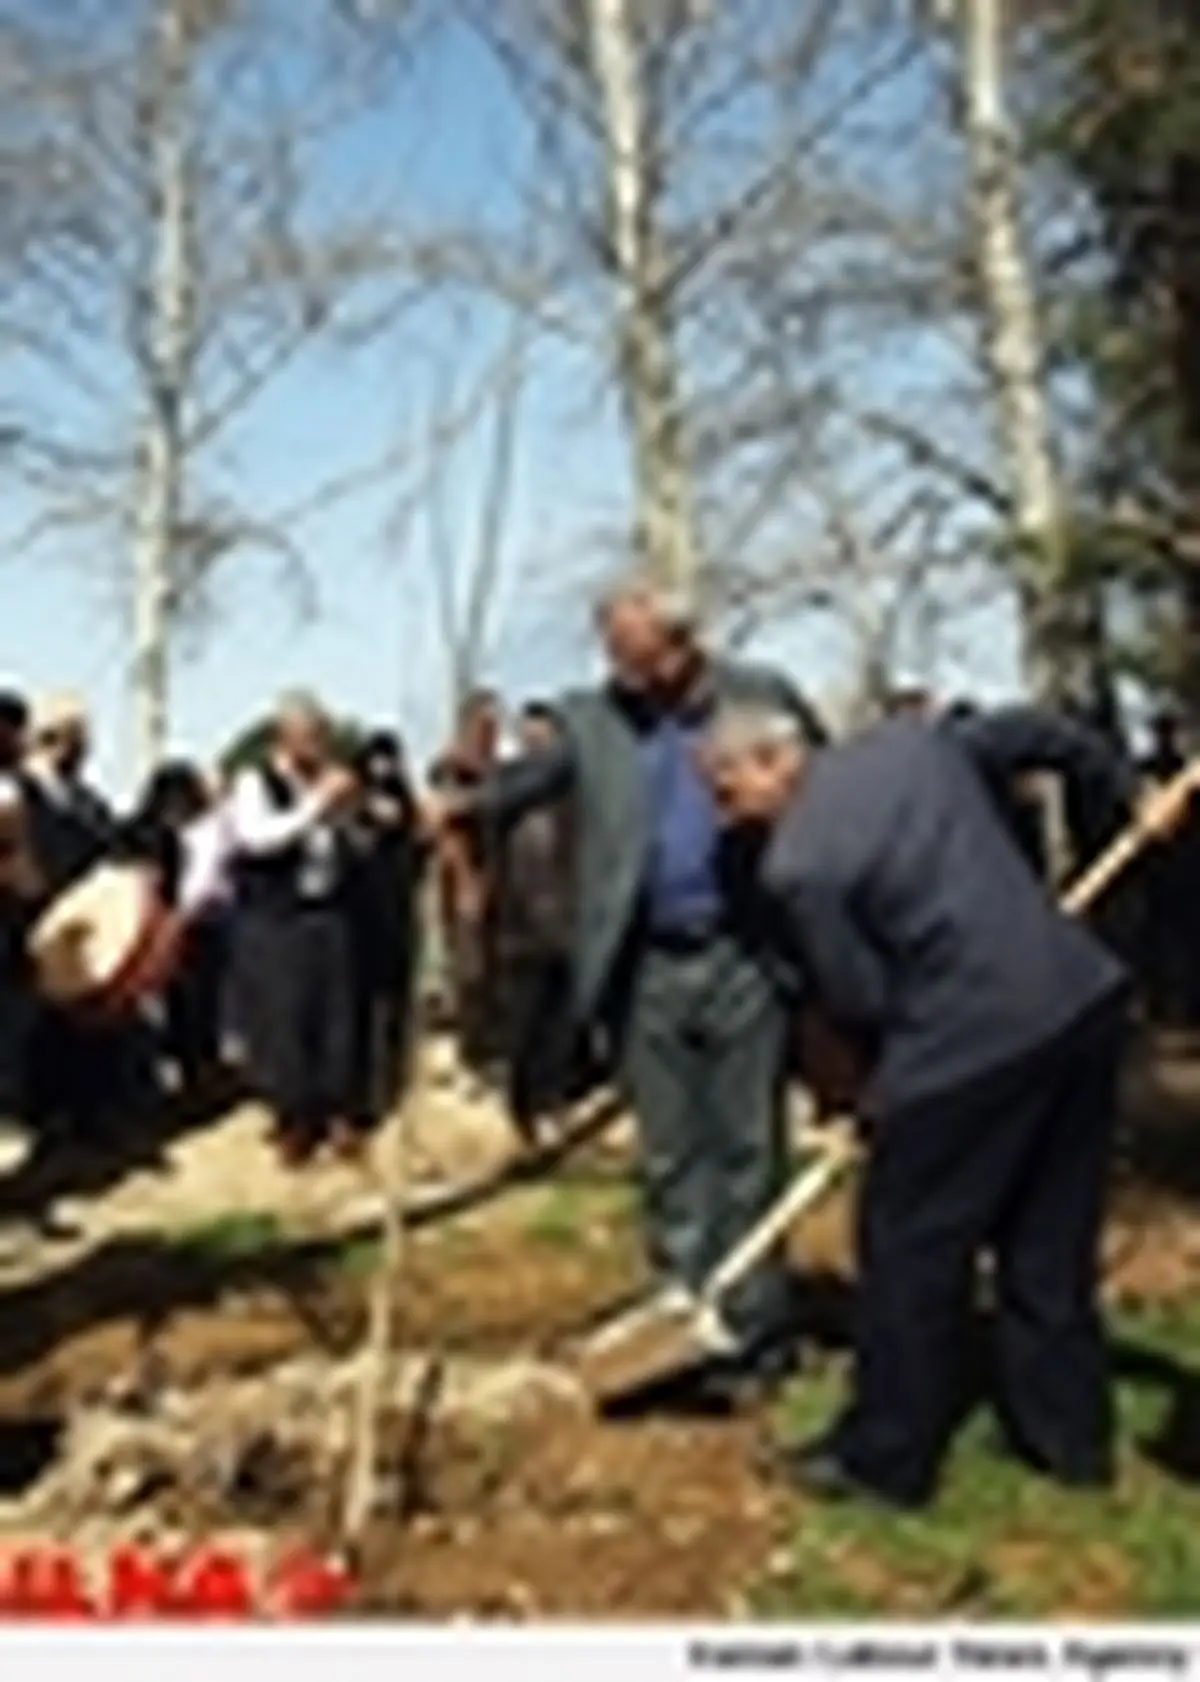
x=296 y=881
x=677 y=880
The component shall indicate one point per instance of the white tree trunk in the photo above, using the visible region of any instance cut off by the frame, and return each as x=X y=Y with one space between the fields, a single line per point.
x=649 y=368
x=1013 y=341
x=166 y=354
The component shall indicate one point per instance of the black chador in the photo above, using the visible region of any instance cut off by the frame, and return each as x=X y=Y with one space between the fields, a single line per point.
x=293 y=955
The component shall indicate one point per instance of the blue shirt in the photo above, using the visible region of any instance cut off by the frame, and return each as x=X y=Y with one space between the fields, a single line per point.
x=681 y=885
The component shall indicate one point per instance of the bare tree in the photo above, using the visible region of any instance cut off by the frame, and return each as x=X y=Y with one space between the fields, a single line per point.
x=195 y=262
x=650 y=376
x=1051 y=607
x=681 y=152
x=469 y=572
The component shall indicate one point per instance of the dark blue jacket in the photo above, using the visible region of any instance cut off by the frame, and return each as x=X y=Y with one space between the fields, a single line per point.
x=907 y=904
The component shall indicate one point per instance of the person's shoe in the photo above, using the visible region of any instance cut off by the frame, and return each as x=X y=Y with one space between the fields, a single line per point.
x=1098 y=1473
x=818 y=1471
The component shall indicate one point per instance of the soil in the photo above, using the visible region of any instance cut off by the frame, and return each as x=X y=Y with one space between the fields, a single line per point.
x=551 y=1512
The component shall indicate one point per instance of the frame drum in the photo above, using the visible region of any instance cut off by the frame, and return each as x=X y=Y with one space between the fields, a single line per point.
x=107 y=943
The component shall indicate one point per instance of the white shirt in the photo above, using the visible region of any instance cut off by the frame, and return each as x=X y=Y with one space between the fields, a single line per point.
x=259 y=828
x=208 y=845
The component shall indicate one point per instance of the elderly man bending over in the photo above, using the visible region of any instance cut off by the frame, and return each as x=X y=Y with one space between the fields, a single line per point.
x=992 y=1026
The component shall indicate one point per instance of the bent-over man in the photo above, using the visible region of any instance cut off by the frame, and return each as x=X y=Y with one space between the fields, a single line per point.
x=992 y=1026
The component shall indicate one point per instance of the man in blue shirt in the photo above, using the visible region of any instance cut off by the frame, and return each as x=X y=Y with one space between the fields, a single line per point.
x=669 y=954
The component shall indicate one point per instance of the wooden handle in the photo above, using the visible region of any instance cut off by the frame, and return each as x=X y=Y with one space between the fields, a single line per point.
x=838 y=1153
x=1120 y=853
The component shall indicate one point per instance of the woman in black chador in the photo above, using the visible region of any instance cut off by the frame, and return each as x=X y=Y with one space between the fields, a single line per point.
x=388 y=855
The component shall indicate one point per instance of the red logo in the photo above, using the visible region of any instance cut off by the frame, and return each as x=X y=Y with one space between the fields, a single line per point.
x=210 y=1583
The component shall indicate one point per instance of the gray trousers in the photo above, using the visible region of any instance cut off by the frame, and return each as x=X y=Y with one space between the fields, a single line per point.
x=702 y=1062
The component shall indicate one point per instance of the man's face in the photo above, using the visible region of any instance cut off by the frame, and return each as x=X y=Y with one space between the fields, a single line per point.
x=479 y=732
x=67 y=747
x=642 y=654
x=537 y=733
x=12 y=745
x=303 y=740
x=752 y=787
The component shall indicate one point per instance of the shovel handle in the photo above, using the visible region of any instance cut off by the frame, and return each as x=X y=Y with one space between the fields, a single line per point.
x=1120 y=853
x=838 y=1153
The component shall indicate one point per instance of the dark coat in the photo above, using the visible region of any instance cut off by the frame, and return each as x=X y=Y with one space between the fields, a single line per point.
x=597 y=765
x=923 y=931
x=68 y=836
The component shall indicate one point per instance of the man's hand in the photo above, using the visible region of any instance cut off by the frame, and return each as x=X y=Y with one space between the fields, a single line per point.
x=440 y=814
x=335 y=789
x=1163 y=810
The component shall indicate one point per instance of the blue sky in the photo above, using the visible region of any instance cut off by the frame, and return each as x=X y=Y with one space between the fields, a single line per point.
x=450 y=148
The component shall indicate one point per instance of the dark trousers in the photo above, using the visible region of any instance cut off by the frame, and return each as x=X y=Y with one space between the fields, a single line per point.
x=701 y=1052
x=541 y=1033
x=91 y=1079
x=297 y=1006
x=1016 y=1163
x=382 y=1039
x=196 y=999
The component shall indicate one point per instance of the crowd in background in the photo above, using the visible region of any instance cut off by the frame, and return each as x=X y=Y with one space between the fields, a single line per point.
x=300 y=881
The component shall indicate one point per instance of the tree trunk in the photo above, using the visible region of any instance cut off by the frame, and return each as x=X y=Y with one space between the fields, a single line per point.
x=166 y=352
x=663 y=530
x=1058 y=631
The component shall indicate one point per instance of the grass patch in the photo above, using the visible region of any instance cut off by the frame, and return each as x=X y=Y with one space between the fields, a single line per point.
x=569 y=1215
x=234 y=1237
x=1001 y=1543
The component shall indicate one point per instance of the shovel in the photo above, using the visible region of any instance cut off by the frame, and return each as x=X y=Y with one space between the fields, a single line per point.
x=662 y=1338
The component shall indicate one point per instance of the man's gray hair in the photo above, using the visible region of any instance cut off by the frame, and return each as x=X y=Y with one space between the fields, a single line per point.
x=674 y=605
x=741 y=727
x=300 y=705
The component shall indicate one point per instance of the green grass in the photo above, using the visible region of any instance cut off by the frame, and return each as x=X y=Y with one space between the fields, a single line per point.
x=563 y=1215
x=1001 y=1543
x=234 y=1237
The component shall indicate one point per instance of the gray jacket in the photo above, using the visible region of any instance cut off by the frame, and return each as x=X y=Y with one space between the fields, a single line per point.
x=597 y=763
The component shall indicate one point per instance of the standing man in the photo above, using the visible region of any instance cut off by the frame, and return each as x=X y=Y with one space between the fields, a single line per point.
x=72 y=825
x=389 y=857
x=81 y=1076
x=667 y=951
x=992 y=1025
x=291 y=868
x=20 y=890
x=1171 y=898
x=468 y=872
x=536 y=923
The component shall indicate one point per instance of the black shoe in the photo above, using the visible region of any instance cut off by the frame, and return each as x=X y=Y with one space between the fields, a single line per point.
x=756 y=1373
x=1080 y=1474
x=818 y=1471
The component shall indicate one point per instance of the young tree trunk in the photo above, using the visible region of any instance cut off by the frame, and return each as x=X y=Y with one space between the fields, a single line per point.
x=1059 y=633
x=165 y=354
x=664 y=532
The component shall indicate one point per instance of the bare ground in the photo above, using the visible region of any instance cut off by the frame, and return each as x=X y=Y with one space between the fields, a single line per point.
x=155 y=1290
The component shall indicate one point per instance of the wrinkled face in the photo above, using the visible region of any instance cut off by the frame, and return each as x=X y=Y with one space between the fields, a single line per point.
x=642 y=652
x=753 y=785
x=303 y=739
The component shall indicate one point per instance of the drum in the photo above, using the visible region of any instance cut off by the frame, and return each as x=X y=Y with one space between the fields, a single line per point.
x=106 y=943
